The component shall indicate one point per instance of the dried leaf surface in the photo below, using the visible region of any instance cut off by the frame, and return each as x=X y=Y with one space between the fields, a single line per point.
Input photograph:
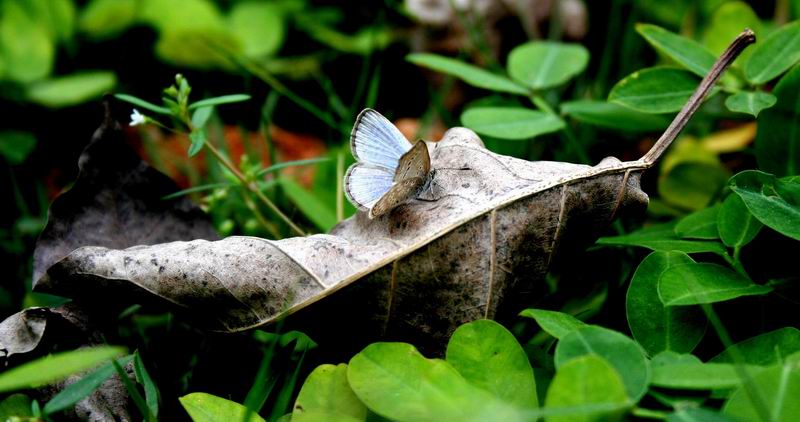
x=35 y=332
x=116 y=202
x=469 y=247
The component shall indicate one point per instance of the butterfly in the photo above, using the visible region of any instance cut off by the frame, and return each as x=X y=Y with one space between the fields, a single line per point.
x=388 y=168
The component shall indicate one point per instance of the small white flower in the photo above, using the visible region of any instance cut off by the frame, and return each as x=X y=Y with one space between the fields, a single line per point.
x=137 y=118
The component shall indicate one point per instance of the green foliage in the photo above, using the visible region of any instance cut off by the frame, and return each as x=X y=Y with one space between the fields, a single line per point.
x=397 y=382
x=326 y=396
x=766 y=349
x=692 y=185
x=204 y=407
x=102 y=19
x=775 y=55
x=625 y=355
x=663 y=238
x=771 y=394
x=77 y=391
x=28 y=50
x=557 y=324
x=317 y=211
x=150 y=388
x=16 y=405
x=56 y=367
x=727 y=21
x=541 y=65
x=687 y=52
x=655 y=90
x=699 y=224
x=15 y=146
x=736 y=229
x=777 y=141
x=73 y=89
x=488 y=356
x=470 y=74
x=697 y=376
x=750 y=102
x=654 y=326
x=774 y=202
x=612 y=116
x=736 y=225
x=696 y=283
x=601 y=395
x=510 y=123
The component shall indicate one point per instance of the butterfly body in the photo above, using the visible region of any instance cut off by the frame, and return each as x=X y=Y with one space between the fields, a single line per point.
x=389 y=169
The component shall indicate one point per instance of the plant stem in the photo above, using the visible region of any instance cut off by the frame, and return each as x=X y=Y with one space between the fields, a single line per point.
x=339 y=186
x=735 y=263
x=649 y=413
x=260 y=217
x=253 y=188
x=728 y=56
x=278 y=86
x=543 y=105
x=738 y=360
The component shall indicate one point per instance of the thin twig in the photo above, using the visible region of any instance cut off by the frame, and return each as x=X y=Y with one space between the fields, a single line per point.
x=728 y=56
x=253 y=188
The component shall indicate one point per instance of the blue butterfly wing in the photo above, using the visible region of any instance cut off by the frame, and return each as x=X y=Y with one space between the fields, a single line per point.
x=377 y=142
x=365 y=184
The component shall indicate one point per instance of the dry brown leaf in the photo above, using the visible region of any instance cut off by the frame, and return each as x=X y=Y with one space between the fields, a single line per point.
x=469 y=248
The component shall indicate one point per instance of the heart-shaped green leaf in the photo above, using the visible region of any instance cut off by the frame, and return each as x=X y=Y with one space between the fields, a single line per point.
x=601 y=395
x=489 y=356
x=736 y=225
x=654 y=326
x=546 y=64
x=750 y=102
x=621 y=352
x=326 y=395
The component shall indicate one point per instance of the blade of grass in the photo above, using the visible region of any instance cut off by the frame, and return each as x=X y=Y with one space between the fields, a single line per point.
x=143 y=104
x=287 y=390
x=200 y=188
x=56 y=367
x=224 y=99
x=82 y=388
x=151 y=393
x=137 y=398
x=276 y=167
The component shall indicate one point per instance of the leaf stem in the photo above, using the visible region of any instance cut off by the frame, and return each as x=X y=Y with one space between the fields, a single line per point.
x=253 y=188
x=542 y=104
x=738 y=360
x=728 y=56
x=736 y=263
x=339 y=186
x=260 y=217
x=247 y=184
x=649 y=413
x=275 y=84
